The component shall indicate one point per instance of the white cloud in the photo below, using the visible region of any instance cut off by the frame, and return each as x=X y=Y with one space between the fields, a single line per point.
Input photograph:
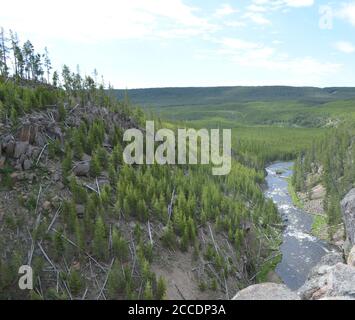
x=277 y=42
x=345 y=47
x=299 y=3
x=278 y=4
x=225 y=10
x=238 y=44
x=257 y=18
x=347 y=12
x=92 y=21
x=256 y=8
x=257 y=55
x=235 y=23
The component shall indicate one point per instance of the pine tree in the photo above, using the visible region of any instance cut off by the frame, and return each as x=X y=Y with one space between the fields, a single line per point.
x=119 y=246
x=148 y=291
x=55 y=79
x=47 y=63
x=67 y=163
x=117 y=281
x=102 y=157
x=161 y=289
x=169 y=237
x=62 y=112
x=95 y=167
x=58 y=245
x=75 y=282
x=4 y=54
x=100 y=242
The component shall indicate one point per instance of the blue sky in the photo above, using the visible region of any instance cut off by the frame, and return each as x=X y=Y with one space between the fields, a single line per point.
x=163 y=43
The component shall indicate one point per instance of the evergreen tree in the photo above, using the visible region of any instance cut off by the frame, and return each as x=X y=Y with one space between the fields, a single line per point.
x=100 y=242
x=148 y=291
x=161 y=289
x=119 y=246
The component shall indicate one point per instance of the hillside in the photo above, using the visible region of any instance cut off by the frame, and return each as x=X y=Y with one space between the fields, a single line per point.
x=93 y=227
x=167 y=97
x=248 y=106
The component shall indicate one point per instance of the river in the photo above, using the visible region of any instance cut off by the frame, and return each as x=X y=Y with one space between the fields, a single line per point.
x=300 y=250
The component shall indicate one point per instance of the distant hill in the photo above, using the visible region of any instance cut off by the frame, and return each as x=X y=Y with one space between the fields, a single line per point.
x=164 y=97
x=236 y=106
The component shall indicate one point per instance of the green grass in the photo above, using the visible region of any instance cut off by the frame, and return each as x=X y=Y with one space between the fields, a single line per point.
x=270 y=265
x=295 y=199
x=319 y=227
x=6 y=182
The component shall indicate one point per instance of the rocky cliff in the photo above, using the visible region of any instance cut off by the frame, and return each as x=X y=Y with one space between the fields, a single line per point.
x=348 y=211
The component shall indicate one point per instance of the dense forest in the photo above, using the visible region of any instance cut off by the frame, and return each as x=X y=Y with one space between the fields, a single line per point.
x=94 y=227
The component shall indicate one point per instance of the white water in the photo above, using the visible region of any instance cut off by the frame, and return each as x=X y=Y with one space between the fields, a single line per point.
x=300 y=250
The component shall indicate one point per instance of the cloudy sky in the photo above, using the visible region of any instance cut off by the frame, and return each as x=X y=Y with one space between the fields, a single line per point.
x=161 y=43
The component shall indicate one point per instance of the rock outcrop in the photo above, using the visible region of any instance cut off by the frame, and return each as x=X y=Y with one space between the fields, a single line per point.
x=331 y=279
x=348 y=211
x=266 y=291
x=351 y=257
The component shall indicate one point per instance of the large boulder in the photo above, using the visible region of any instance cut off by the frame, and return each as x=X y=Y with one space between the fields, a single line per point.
x=82 y=169
x=266 y=291
x=20 y=149
x=348 y=211
x=330 y=279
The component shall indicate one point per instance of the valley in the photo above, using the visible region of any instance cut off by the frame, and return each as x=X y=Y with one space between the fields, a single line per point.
x=93 y=225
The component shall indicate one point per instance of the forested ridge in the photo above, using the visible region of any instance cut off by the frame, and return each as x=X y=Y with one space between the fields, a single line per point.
x=93 y=227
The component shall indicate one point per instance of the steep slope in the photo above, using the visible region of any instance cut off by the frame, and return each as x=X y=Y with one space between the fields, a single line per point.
x=94 y=227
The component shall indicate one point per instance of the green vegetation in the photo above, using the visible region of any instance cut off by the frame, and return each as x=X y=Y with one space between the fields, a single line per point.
x=295 y=198
x=333 y=155
x=116 y=221
x=95 y=223
x=268 y=267
x=248 y=106
x=320 y=227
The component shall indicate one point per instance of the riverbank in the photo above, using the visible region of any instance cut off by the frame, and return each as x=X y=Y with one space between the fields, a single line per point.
x=294 y=196
x=313 y=203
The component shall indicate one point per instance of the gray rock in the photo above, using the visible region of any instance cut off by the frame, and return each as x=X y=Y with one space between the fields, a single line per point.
x=82 y=169
x=9 y=148
x=329 y=260
x=315 y=281
x=27 y=164
x=341 y=281
x=348 y=211
x=266 y=291
x=20 y=149
x=23 y=157
x=2 y=162
x=351 y=257
x=40 y=140
x=334 y=281
x=46 y=205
